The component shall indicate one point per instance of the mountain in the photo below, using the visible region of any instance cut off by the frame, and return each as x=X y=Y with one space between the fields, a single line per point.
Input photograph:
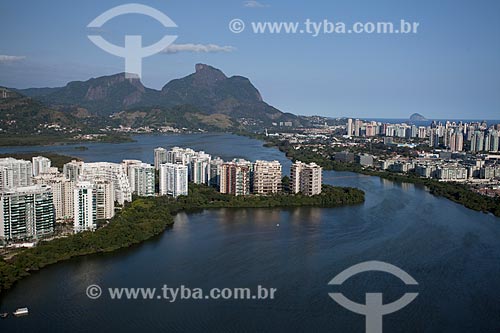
x=211 y=91
x=208 y=90
x=417 y=117
x=101 y=96
x=23 y=115
x=36 y=92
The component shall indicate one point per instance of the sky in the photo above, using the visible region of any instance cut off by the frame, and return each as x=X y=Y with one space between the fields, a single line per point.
x=450 y=69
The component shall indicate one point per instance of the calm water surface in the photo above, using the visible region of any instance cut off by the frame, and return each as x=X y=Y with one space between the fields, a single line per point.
x=453 y=252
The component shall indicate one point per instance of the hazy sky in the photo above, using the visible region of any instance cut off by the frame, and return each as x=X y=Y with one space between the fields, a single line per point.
x=450 y=69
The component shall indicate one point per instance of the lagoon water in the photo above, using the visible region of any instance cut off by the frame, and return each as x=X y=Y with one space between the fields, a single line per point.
x=452 y=252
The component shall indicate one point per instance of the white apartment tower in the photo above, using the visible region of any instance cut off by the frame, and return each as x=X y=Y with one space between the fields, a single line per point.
x=180 y=155
x=72 y=170
x=349 y=127
x=15 y=173
x=457 y=142
x=200 y=169
x=84 y=207
x=160 y=157
x=126 y=164
x=40 y=165
x=142 y=179
x=113 y=172
x=173 y=179
x=306 y=178
x=104 y=199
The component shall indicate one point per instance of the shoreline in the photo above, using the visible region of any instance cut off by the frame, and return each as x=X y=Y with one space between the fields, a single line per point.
x=7 y=141
x=146 y=217
x=453 y=191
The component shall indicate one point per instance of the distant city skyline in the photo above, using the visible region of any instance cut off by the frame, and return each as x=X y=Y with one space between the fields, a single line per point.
x=449 y=70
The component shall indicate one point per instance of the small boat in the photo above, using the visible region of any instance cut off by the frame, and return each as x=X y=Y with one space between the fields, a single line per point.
x=4 y=315
x=20 y=312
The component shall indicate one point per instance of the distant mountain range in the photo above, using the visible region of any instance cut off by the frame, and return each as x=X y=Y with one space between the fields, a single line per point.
x=206 y=98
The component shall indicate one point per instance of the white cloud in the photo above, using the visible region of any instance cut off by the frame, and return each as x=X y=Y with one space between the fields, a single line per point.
x=254 y=4
x=198 y=48
x=9 y=58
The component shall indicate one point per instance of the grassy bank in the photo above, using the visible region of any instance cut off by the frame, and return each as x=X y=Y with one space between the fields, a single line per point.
x=147 y=217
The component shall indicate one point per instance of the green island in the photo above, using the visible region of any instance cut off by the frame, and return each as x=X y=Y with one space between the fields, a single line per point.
x=146 y=217
x=454 y=191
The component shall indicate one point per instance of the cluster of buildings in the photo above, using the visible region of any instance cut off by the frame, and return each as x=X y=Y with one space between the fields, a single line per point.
x=457 y=137
x=178 y=166
x=34 y=196
x=447 y=166
x=450 y=151
x=440 y=165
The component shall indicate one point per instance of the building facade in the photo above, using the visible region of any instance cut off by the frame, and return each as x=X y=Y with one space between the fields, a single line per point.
x=266 y=177
x=142 y=179
x=15 y=173
x=62 y=192
x=113 y=172
x=84 y=207
x=104 y=199
x=72 y=170
x=160 y=157
x=235 y=178
x=40 y=165
x=306 y=178
x=173 y=179
x=26 y=213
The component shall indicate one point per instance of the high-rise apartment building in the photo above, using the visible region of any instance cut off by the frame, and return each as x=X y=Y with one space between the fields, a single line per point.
x=179 y=155
x=357 y=127
x=477 y=142
x=235 y=178
x=493 y=140
x=40 y=165
x=126 y=164
x=306 y=178
x=349 y=127
x=15 y=173
x=215 y=172
x=199 y=169
x=142 y=179
x=72 y=170
x=26 y=212
x=62 y=193
x=422 y=132
x=104 y=199
x=173 y=179
x=84 y=207
x=113 y=172
x=266 y=177
x=160 y=157
x=457 y=142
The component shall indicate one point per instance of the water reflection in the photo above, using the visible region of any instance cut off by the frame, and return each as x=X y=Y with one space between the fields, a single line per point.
x=453 y=252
